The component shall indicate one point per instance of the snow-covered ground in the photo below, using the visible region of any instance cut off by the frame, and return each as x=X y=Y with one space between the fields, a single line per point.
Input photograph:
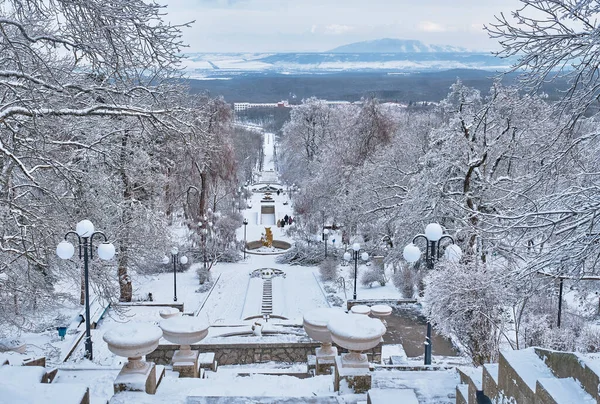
x=234 y=297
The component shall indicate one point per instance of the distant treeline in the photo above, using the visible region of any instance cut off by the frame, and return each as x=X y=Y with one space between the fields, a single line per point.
x=412 y=87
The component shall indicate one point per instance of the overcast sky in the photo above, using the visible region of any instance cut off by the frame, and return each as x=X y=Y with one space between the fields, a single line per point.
x=320 y=25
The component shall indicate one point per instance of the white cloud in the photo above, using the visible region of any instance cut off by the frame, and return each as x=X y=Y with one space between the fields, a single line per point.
x=337 y=29
x=313 y=29
x=477 y=27
x=429 y=26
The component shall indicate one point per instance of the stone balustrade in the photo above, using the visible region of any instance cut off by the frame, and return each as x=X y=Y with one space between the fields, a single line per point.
x=244 y=353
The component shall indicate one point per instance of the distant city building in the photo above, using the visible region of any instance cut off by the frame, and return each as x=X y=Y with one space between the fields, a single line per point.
x=242 y=106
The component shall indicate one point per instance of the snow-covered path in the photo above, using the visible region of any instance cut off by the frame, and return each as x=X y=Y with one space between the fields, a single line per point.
x=301 y=291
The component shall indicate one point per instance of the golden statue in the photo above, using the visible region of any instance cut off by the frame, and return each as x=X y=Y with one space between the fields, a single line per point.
x=267 y=240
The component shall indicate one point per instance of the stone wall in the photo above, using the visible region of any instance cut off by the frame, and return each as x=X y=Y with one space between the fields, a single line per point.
x=512 y=384
x=372 y=302
x=240 y=354
x=567 y=364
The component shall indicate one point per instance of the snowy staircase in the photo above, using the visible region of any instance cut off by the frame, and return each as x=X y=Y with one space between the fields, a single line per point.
x=532 y=376
x=267 y=297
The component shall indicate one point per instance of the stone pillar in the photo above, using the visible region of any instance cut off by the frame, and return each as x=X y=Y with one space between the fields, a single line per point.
x=185 y=361
x=357 y=379
x=136 y=378
x=325 y=359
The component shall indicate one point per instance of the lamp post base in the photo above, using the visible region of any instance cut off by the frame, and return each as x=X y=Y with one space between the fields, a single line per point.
x=428 y=346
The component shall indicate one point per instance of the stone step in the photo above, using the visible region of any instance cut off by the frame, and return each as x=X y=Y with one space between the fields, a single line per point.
x=562 y=391
x=265 y=400
x=490 y=379
x=462 y=394
x=386 y=396
x=518 y=373
x=472 y=377
x=67 y=393
x=160 y=373
x=585 y=368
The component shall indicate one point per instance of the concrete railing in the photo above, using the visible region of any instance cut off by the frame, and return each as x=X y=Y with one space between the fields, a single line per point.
x=253 y=352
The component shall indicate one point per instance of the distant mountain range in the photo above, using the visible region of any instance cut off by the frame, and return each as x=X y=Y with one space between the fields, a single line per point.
x=391 y=45
x=389 y=56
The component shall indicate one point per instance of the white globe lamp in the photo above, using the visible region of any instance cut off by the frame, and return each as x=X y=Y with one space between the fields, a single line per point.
x=433 y=231
x=411 y=253
x=65 y=250
x=106 y=251
x=84 y=228
x=453 y=253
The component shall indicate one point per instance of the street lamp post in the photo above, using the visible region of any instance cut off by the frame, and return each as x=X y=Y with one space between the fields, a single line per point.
x=204 y=235
x=245 y=225
x=183 y=260
x=85 y=234
x=434 y=234
x=325 y=238
x=348 y=256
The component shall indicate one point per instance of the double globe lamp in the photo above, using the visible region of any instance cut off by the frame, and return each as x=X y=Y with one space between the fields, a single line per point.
x=85 y=233
x=433 y=236
x=348 y=256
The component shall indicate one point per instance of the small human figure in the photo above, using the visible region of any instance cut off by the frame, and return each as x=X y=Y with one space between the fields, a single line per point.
x=257 y=329
x=278 y=222
x=290 y=220
x=283 y=223
x=278 y=192
x=286 y=218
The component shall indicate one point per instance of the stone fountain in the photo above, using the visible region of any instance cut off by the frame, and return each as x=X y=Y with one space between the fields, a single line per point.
x=315 y=325
x=185 y=331
x=134 y=341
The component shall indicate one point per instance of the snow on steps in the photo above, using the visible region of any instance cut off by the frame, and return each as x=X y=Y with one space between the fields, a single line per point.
x=522 y=368
x=533 y=375
x=562 y=391
x=462 y=394
x=40 y=393
x=584 y=368
x=490 y=379
x=472 y=377
x=386 y=396
x=265 y=400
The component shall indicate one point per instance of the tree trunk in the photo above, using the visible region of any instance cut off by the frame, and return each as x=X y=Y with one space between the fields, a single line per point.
x=203 y=192
x=125 y=288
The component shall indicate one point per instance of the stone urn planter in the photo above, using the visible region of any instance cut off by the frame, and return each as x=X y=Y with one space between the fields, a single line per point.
x=133 y=341
x=380 y=311
x=315 y=325
x=184 y=331
x=356 y=333
x=361 y=309
x=169 y=312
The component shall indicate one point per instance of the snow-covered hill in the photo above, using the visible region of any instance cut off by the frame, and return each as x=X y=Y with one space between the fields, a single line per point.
x=392 y=45
x=222 y=65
